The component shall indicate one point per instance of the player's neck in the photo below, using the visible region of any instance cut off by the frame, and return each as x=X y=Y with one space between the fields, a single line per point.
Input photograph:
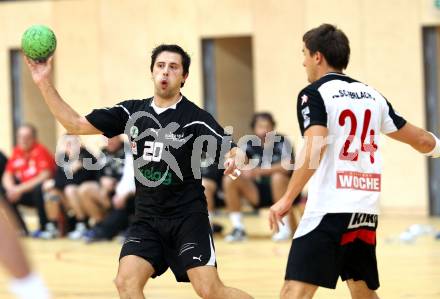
x=166 y=102
x=327 y=69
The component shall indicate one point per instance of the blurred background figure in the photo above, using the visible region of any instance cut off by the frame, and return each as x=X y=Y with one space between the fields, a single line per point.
x=96 y=196
x=29 y=165
x=25 y=284
x=63 y=193
x=264 y=184
x=212 y=182
x=119 y=217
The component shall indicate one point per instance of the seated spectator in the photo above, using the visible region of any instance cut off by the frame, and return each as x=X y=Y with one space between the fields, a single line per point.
x=96 y=198
x=64 y=189
x=30 y=164
x=123 y=206
x=265 y=183
x=211 y=181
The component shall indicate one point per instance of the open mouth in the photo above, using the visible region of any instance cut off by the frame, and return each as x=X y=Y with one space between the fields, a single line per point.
x=163 y=83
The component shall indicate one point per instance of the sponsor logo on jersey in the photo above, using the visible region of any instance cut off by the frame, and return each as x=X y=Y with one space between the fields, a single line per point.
x=305 y=113
x=304 y=99
x=358 y=181
x=157 y=175
x=175 y=137
x=359 y=220
x=134 y=132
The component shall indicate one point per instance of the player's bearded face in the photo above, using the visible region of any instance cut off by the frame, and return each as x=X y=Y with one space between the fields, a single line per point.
x=168 y=74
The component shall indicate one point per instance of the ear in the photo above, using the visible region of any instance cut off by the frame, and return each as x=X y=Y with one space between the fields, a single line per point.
x=185 y=77
x=318 y=57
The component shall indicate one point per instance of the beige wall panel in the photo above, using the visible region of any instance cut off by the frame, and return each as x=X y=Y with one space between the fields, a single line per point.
x=393 y=63
x=77 y=58
x=346 y=15
x=14 y=19
x=430 y=14
x=278 y=73
x=127 y=45
x=36 y=112
x=224 y=18
x=234 y=89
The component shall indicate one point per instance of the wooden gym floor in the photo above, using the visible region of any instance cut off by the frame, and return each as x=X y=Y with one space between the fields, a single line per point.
x=74 y=270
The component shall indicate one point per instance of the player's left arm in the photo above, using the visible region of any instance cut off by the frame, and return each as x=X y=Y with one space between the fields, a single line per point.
x=312 y=151
x=421 y=140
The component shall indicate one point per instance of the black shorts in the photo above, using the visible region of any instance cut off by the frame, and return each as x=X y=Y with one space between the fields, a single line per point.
x=265 y=193
x=341 y=245
x=212 y=172
x=61 y=181
x=179 y=243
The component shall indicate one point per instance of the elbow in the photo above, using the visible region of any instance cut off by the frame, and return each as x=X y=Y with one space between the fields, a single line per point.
x=73 y=125
x=73 y=128
x=425 y=143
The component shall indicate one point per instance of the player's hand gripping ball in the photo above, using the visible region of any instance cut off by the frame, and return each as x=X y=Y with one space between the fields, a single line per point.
x=38 y=42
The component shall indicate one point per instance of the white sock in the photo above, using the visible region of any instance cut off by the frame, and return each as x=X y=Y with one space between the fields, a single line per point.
x=29 y=287
x=236 y=219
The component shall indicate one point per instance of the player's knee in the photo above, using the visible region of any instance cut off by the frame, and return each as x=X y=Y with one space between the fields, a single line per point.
x=290 y=291
x=286 y=292
x=84 y=189
x=209 y=290
x=127 y=284
x=364 y=295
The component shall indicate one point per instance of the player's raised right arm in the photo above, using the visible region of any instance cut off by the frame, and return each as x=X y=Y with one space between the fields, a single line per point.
x=73 y=122
x=420 y=139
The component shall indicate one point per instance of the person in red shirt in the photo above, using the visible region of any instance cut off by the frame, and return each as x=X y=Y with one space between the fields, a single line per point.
x=29 y=165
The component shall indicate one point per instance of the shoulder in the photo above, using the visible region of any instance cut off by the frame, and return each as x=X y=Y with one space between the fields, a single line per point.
x=134 y=105
x=193 y=111
x=16 y=153
x=190 y=105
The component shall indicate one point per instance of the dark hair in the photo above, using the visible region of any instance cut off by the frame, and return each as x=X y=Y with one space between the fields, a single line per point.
x=30 y=127
x=186 y=60
x=264 y=115
x=331 y=42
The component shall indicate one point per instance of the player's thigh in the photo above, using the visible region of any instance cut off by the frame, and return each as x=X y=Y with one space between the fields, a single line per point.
x=204 y=280
x=191 y=244
x=248 y=189
x=133 y=271
x=360 y=290
x=293 y=289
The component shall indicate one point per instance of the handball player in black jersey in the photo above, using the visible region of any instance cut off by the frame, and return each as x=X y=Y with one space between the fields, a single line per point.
x=166 y=133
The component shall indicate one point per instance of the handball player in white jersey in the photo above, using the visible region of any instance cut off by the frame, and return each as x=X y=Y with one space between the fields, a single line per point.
x=341 y=120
